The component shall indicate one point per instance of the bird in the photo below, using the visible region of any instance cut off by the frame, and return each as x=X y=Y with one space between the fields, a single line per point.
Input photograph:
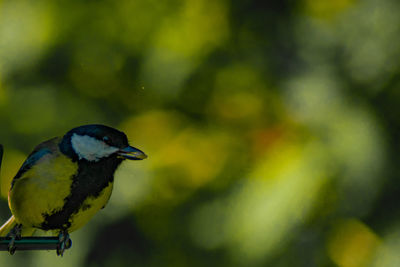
x=65 y=181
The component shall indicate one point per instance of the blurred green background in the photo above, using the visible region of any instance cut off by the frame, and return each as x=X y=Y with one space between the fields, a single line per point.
x=272 y=127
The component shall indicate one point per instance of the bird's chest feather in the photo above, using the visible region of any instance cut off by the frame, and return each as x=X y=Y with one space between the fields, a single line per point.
x=90 y=191
x=89 y=207
x=42 y=189
x=58 y=193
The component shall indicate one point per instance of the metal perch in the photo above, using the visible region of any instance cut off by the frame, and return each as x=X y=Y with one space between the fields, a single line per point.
x=32 y=243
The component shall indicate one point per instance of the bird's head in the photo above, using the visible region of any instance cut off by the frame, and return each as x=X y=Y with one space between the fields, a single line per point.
x=95 y=142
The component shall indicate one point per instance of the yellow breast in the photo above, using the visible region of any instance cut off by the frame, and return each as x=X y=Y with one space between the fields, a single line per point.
x=42 y=189
x=89 y=208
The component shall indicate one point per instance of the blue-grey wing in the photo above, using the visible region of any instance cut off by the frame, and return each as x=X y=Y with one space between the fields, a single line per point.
x=39 y=152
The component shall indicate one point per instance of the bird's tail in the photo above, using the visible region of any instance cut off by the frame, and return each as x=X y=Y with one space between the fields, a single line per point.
x=11 y=223
x=7 y=226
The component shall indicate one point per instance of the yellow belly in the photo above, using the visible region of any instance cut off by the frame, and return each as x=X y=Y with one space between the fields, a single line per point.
x=89 y=208
x=42 y=189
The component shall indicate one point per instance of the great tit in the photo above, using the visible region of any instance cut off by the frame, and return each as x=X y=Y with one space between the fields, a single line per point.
x=65 y=181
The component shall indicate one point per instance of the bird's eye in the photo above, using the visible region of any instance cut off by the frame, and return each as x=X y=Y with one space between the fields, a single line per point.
x=106 y=139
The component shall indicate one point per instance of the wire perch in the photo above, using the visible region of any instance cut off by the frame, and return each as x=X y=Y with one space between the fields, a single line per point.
x=32 y=243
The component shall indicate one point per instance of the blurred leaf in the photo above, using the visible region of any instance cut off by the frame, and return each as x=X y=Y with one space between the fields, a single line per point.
x=352 y=244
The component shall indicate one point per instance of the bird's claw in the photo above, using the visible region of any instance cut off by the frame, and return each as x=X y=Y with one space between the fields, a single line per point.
x=14 y=234
x=11 y=246
x=64 y=242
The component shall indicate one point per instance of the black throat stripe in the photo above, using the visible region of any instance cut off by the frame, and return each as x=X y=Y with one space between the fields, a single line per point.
x=90 y=180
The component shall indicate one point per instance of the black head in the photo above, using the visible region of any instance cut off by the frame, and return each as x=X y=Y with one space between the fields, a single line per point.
x=94 y=142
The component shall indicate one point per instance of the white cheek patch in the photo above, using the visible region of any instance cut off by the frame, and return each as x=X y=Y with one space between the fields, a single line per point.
x=91 y=149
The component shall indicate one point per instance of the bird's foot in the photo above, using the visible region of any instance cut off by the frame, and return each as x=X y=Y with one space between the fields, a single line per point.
x=14 y=234
x=64 y=242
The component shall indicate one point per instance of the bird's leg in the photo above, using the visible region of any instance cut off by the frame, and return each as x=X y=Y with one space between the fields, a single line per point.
x=64 y=242
x=14 y=234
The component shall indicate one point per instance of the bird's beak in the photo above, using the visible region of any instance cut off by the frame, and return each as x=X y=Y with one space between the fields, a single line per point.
x=132 y=153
